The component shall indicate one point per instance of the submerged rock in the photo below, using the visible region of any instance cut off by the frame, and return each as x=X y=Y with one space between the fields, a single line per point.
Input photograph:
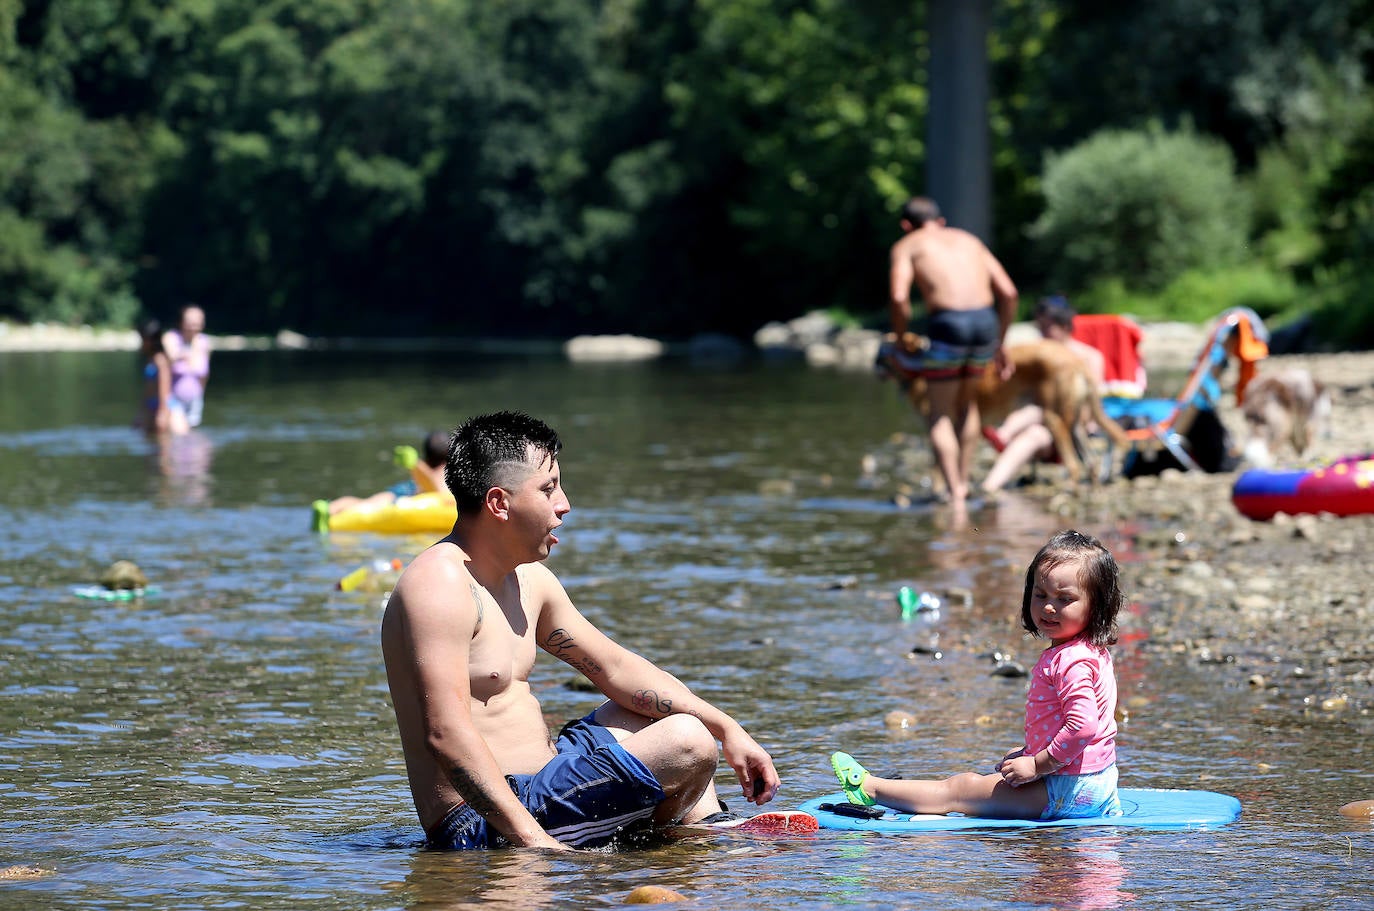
x=899 y=720
x=1359 y=809
x=123 y=575
x=653 y=895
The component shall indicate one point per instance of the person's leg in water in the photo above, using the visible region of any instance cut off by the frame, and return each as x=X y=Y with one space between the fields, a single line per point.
x=946 y=432
x=986 y=796
x=970 y=426
x=686 y=777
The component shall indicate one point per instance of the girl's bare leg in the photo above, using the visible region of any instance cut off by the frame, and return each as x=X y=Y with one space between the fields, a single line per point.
x=968 y=793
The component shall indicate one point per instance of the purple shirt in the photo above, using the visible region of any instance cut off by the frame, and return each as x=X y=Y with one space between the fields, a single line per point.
x=190 y=364
x=1071 y=707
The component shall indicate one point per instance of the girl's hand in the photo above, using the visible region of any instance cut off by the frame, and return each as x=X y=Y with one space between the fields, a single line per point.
x=1018 y=770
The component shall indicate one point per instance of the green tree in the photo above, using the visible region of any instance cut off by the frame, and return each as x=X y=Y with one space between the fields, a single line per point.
x=793 y=135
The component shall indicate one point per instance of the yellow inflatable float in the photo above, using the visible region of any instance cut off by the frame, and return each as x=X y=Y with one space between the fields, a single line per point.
x=426 y=513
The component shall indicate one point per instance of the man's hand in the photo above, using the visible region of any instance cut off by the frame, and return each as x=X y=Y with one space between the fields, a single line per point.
x=1005 y=368
x=912 y=343
x=550 y=844
x=753 y=766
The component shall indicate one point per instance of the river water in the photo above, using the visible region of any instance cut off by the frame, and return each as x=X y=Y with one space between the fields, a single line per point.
x=229 y=743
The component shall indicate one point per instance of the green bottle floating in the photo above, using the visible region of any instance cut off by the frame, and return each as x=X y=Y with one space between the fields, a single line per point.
x=913 y=602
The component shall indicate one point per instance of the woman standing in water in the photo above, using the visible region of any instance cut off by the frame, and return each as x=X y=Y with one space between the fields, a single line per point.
x=188 y=350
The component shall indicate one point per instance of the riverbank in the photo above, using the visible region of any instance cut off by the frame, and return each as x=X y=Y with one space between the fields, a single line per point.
x=1166 y=345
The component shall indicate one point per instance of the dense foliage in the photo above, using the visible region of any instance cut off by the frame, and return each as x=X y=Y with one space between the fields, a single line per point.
x=1141 y=207
x=543 y=167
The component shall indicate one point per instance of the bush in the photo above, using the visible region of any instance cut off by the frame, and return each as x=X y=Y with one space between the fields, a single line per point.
x=1344 y=316
x=1199 y=295
x=1141 y=207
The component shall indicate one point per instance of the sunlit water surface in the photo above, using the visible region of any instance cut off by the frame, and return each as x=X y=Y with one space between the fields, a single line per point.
x=229 y=743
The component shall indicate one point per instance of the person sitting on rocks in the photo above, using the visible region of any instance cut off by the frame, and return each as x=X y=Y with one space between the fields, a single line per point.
x=1023 y=436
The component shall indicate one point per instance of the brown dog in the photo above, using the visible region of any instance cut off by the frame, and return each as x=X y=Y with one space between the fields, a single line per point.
x=1046 y=374
x=1288 y=405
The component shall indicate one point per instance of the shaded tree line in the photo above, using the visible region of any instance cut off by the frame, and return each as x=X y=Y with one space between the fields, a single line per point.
x=667 y=167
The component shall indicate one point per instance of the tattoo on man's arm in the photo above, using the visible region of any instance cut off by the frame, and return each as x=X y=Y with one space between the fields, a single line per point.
x=559 y=642
x=648 y=701
x=562 y=645
x=587 y=666
x=467 y=787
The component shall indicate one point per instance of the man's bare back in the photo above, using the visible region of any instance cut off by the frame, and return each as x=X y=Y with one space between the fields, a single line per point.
x=950 y=268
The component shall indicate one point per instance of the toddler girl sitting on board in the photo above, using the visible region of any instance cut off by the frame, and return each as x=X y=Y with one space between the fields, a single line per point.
x=1067 y=766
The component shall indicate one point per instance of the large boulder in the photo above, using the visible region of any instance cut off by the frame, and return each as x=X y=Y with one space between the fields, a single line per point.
x=612 y=348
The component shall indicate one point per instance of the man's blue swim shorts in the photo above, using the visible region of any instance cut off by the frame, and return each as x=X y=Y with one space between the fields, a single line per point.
x=591 y=792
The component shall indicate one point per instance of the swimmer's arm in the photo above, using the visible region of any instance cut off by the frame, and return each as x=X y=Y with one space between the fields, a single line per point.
x=429 y=638
x=163 y=416
x=626 y=678
x=1076 y=689
x=901 y=276
x=639 y=686
x=427 y=478
x=1003 y=291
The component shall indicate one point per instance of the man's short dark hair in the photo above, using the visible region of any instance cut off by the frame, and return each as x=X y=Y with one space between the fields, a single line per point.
x=1056 y=309
x=919 y=210
x=495 y=450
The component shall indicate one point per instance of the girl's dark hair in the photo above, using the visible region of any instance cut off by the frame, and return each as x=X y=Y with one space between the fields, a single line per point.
x=1097 y=573
x=494 y=450
x=151 y=330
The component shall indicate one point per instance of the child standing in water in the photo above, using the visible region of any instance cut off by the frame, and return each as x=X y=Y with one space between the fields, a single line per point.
x=155 y=414
x=1067 y=766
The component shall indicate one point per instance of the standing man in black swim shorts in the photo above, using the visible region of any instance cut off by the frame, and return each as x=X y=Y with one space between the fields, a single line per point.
x=459 y=638
x=971 y=302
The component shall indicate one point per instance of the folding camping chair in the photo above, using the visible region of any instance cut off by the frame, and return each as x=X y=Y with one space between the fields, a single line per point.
x=1155 y=426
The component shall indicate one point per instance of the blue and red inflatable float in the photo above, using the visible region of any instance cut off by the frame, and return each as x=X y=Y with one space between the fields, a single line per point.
x=1344 y=487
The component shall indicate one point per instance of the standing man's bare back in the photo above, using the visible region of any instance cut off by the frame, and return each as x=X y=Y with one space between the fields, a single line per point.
x=971 y=302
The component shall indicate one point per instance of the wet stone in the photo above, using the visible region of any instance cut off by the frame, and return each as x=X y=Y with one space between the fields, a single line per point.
x=653 y=895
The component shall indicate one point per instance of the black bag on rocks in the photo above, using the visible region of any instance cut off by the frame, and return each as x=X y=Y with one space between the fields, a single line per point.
x=1207 y=441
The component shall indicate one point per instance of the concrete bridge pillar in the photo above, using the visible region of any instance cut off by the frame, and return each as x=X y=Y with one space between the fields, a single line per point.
x=958 y=157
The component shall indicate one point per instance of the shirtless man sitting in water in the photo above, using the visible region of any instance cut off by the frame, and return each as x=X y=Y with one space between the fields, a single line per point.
x=971 y=303
x=459 y=638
